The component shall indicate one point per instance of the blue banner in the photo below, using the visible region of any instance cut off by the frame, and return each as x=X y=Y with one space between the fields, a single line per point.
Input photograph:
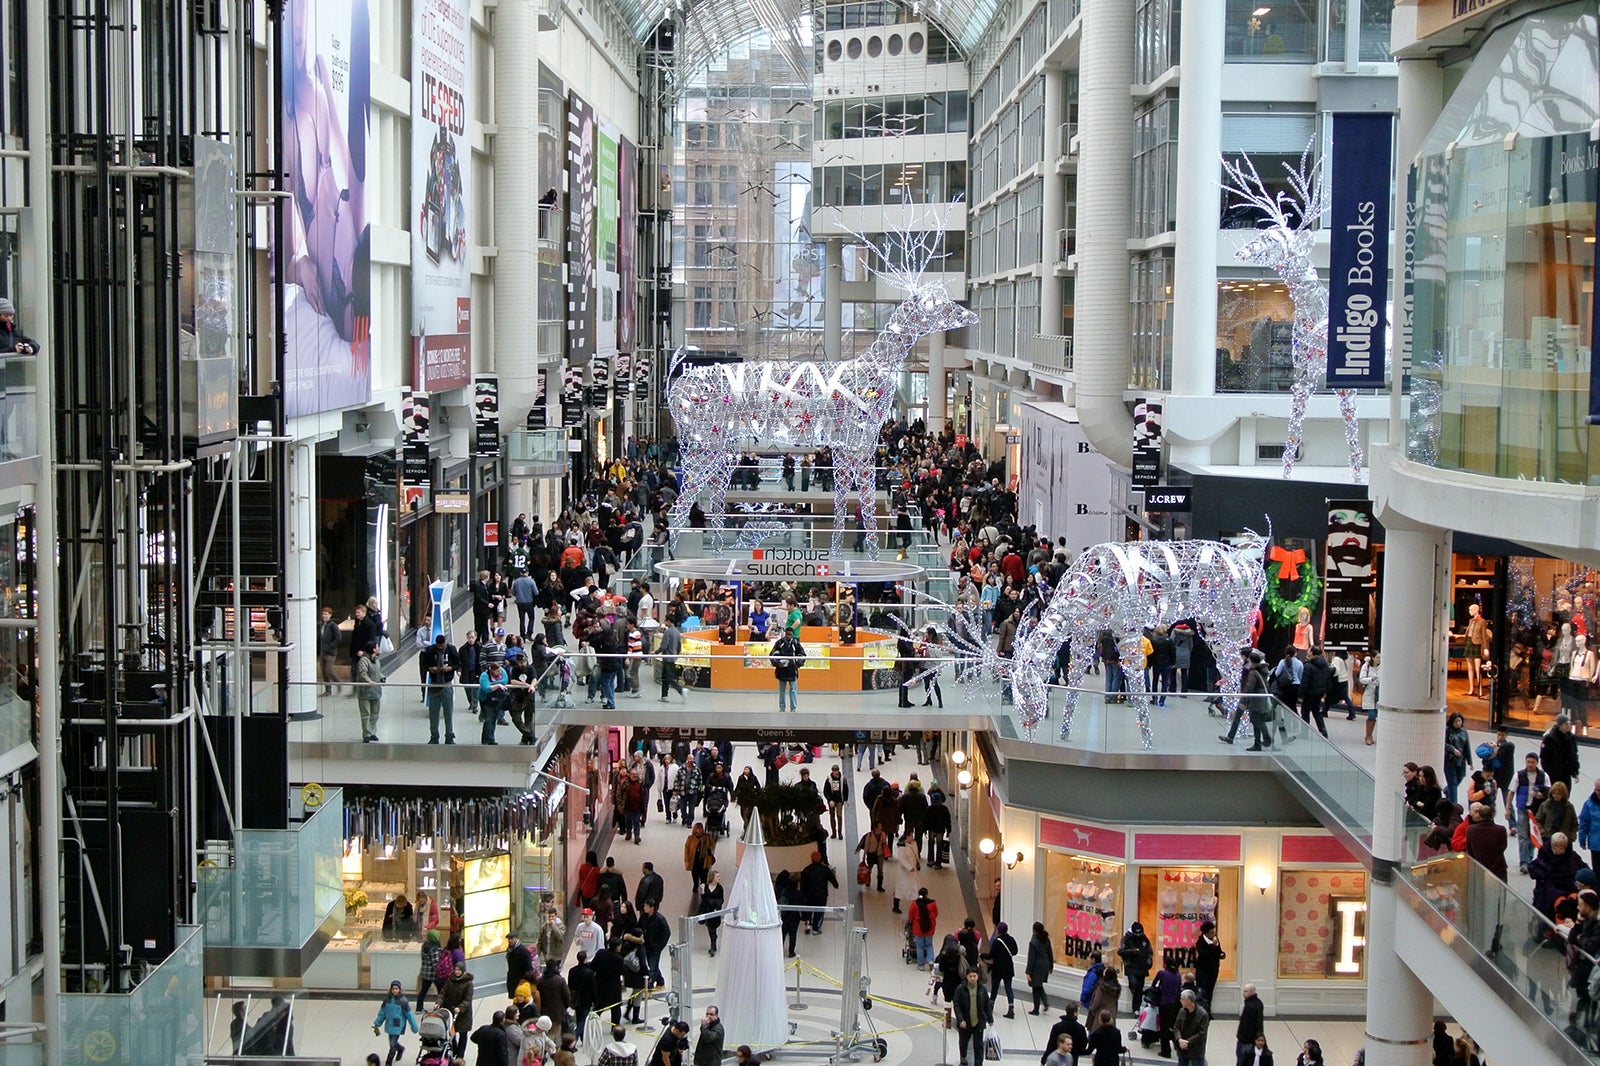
x=1594 y=332
x=1358 y=260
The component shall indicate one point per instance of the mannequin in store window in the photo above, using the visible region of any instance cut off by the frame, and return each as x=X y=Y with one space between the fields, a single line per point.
x=1304 y=635
x=1477 y=646
x=1575 y=690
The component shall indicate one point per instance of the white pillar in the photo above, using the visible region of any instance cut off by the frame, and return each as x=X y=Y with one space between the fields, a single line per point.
x=1055 y=200
x=1420 y=98
x=516 y=225
x=1416 y=576
x=300 y=577
x=1102 y=353
x=832 y=298
x=1194 y=264
x=938 y=383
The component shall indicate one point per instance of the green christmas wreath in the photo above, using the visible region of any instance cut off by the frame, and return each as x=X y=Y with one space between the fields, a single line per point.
x=1286 y=612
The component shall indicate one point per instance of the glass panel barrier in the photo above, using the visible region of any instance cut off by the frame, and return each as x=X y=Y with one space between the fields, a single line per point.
x=284 y=882
x=1523 y=944
x=161 y=1020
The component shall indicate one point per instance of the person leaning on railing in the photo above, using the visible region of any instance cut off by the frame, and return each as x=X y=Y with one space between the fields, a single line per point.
x=13 y=340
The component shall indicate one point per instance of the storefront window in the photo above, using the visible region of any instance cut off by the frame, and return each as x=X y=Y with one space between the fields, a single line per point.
x=1174 y=901
x=1322 y=923
x=1255 y=336
x=1083 y=906
x=1372 y=45
x=1271 y=31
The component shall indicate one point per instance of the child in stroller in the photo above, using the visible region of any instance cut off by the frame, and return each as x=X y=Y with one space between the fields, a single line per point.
x=716 y=812
x=433 y=1033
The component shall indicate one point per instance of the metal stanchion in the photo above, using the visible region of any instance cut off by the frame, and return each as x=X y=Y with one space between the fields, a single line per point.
x=944 y=1040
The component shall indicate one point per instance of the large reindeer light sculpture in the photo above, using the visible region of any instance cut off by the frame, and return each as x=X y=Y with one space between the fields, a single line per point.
x=842 y=405
x=1283 y=245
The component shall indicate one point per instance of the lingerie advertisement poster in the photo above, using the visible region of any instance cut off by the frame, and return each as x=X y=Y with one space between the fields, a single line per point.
x=441 y=185
x=326 y=257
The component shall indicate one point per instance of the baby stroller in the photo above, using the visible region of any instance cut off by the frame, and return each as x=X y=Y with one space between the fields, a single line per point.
x=716 y=812
x=909 y=950
x=433 y=1034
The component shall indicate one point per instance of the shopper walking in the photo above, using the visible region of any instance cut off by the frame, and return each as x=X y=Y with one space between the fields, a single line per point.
x=1002 y=960
x=1041 y=964
x=1137 y=957
x=328 y=652
x=368 y=676
x=394 y=1017
x=924 y=921
x=974 y=1012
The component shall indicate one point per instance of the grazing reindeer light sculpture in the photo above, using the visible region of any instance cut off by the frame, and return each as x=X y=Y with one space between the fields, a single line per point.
x=1125 y=588
x=841 y=405
x=1284 y=245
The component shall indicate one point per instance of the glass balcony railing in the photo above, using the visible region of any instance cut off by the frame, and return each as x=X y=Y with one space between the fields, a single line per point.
x=161 y=1020
x=19 y=436
x=284 y=884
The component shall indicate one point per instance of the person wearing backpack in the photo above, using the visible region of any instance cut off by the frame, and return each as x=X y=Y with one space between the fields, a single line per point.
x=787 y=655
x=1091 y=978
x=924 y=922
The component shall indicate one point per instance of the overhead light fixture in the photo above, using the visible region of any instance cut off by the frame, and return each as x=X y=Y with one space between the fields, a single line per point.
x=1258 y=12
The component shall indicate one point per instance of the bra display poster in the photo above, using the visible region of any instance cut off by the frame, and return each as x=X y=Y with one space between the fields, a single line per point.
x=325 y=257
x=441 y=192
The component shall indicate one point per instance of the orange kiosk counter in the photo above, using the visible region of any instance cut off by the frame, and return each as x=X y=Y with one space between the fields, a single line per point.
x=829 y=667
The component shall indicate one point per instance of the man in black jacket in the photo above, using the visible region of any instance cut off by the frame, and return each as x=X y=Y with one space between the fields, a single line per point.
x=581 y=983
x=1252 y=1021
x=494 y=1047
x=973 y=1014
x=1070 y=1025
x=814 y=882
x=651 y=887
x=440 y=663
x=519 y=964
x=1558 y=751
x=786 y=658
x=327 y=651
x=13 y=339
x=657 y=934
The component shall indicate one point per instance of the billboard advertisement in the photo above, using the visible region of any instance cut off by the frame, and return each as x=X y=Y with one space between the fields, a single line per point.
x=606 y=280
x=627 y=236
x=441 y=190
x=580 y=231
x=1349 y=600
x=326 y=257
x=486 y=415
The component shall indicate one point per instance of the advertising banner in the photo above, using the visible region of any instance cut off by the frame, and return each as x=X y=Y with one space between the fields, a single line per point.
x=571 y=397
x=538 y=416
x=1358 y=254
x=600 y=382
x=441 y=187
x=327 y=257
x=1147 y=441
x=606 y=280
x=627 y=234
x=486 y=415
x=623 y=385
x=1347 y=596
x=415 y=468
x=580 y=231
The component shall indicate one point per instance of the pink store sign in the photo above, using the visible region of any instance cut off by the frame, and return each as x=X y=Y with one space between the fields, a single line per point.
x=1186 y=847
x=1075 y=836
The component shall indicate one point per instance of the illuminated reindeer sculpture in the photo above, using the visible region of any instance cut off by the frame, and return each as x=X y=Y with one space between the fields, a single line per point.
x=725 y=408
x=1284 y=245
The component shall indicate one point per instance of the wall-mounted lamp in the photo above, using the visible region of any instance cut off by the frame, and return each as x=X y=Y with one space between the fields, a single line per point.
x=986 y=847
x=1014 y=861
x=964 y=779
x=1262 y=879
x=958 y=758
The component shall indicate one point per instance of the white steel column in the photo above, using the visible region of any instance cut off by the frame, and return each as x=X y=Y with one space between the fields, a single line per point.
x=1102 y=352
x=1055 y=200
x=516 y=225
x=1194 y=263
x=48 y=692
x=1416 y=577
x=832 y=297
x=300 y=577
x=938 y=383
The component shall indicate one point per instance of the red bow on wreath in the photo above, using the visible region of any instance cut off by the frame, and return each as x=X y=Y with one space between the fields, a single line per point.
x=1289 y=561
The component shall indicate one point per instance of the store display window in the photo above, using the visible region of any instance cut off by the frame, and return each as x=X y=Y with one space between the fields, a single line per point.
x=1322 y=923
x=1174 y=901
x=1083 y=906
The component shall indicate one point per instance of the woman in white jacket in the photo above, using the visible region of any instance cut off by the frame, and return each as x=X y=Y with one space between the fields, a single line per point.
x=909 y=858
x=1369 y=691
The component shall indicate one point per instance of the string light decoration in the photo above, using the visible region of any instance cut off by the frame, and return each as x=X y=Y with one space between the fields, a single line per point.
x=1284 y=245
x=1426 y=416
x=841 y=405
x=1127 y=588
x=978 y=665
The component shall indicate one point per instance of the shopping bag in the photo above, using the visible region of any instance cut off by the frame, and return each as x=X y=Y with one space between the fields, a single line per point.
x=991 y=1047
x=863 y=873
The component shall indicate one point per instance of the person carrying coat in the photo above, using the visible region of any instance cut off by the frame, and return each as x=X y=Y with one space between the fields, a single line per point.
x=1137 y=957
x=1040 y=965
x=394 y=1016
